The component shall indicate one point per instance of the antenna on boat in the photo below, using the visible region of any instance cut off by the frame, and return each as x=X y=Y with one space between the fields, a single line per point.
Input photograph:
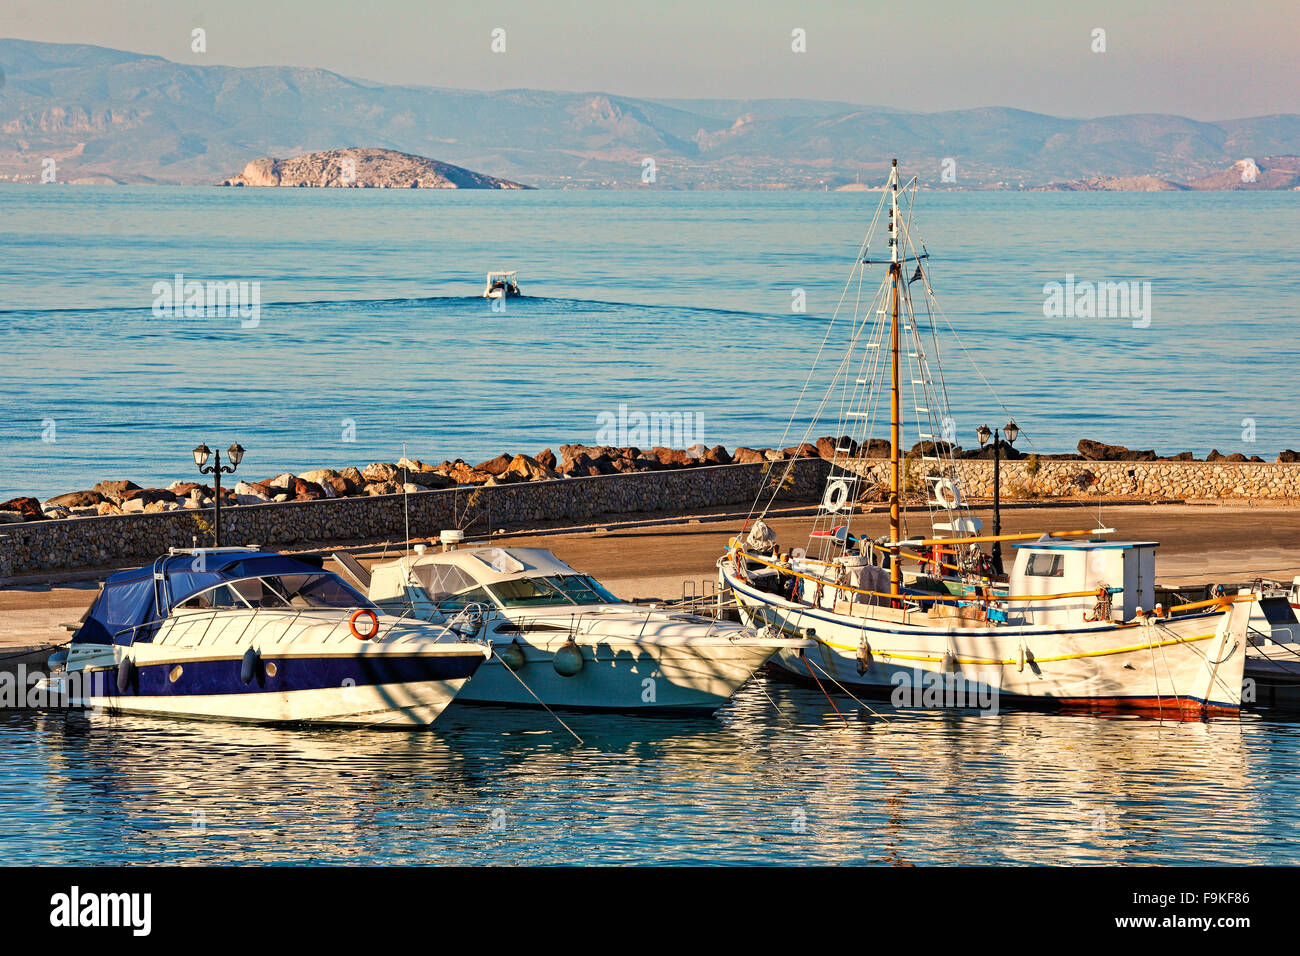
x=895 y=419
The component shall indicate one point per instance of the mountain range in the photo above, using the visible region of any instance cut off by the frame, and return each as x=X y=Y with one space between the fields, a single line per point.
x=107 y=115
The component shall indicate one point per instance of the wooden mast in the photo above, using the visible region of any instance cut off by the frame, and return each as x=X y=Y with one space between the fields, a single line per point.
x=895 y=419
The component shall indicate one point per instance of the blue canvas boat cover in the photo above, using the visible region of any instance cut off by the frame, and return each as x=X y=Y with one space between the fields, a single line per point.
x=133 y=602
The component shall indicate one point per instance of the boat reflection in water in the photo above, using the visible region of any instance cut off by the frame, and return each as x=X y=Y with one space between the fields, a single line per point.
x=750 y=785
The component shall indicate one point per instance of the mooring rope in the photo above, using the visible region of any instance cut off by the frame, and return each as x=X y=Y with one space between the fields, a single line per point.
x=9 y=657
x=804 y=657
x=830 y=678
x=535 y=697
x=754 y=677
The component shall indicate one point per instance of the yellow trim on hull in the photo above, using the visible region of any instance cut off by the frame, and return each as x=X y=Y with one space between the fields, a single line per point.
x=995 y=599
x=794 y=632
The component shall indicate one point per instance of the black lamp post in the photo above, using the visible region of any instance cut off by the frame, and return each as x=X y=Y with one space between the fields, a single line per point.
x=236 y=454
x=1010 y=432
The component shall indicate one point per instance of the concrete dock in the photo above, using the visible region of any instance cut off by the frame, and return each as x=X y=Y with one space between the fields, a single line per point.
x=654 y=557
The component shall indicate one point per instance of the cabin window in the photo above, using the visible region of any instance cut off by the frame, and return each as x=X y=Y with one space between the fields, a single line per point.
x=1045 y=565
x=312 y=590
x=320 y=589
x=529 y=592
x=458 y=602
x=1277 y=611
x=218 y=597
x=582 y=589
x=250 y=589
x=442 y=580
x=552 y=591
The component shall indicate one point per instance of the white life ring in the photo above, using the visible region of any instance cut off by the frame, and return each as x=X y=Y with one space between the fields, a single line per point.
x=837 y=495
x=947 y=494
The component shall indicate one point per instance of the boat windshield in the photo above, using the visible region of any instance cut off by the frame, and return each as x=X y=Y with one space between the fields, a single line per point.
x=558 y=590
x=315 y=590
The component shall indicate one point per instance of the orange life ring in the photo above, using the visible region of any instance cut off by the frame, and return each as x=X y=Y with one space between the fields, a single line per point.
x=374 y=620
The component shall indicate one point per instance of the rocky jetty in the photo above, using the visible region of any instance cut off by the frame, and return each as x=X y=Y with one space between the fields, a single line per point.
x=359 y=168
x=573 y=461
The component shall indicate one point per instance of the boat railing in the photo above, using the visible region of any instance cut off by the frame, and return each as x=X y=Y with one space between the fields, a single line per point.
x=1257 y=637
x=786 y=569
x=714 y=605
x=207 y=616
x=475 y=614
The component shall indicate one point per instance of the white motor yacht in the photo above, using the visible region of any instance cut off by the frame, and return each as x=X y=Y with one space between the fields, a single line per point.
x=561 y=639
x=240 y=634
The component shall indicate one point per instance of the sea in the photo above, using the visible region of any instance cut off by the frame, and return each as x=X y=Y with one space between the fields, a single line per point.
x=781 y=775
x=701 y=311
x=370 y=336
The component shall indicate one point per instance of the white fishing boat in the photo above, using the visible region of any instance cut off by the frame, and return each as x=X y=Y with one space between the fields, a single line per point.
x=239 y=634
x=560 y=639
x=1074 y=624
x=501 y=285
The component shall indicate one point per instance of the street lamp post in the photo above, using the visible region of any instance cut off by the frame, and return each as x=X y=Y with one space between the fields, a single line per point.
x=236 y=454
x=1010 y=432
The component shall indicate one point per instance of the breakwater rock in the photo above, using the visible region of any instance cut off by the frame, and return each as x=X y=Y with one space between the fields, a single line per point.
x=1039 y=476
x=27 y=547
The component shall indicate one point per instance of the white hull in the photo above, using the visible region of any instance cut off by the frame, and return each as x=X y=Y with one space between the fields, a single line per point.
x=624 y=675
x=316 y=673
x=612 y=655
x=1189 y=664
x=381 y=705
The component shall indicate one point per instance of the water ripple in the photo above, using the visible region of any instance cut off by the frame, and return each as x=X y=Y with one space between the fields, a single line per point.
x=749 y=785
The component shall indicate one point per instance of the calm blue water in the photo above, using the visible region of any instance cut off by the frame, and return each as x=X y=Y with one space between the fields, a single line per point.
x=669 y=302
x=746 y=786
x=665 y=301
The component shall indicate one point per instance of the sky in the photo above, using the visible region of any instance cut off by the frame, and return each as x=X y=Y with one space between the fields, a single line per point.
x=1206 y=59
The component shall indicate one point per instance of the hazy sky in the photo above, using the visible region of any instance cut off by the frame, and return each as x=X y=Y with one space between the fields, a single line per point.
x=1209 y=59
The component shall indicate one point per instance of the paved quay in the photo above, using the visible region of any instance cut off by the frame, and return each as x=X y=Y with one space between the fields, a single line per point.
x=655 y=557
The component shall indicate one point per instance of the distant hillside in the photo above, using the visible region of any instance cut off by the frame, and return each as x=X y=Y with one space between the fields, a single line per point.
x=1271 y=172
x=1114 y=184
x=364 y=169
x=112 y=116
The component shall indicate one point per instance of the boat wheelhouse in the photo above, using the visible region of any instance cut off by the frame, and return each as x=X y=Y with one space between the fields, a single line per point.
x=1082 y=579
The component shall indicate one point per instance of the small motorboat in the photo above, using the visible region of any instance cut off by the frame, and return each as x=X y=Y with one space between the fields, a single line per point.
x=559 y=638
x=501 y=285
x=246 y=635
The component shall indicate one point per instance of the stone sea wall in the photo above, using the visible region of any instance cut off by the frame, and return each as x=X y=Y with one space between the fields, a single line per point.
x=124 y=538
x=119 y=539
x=1030 y=479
